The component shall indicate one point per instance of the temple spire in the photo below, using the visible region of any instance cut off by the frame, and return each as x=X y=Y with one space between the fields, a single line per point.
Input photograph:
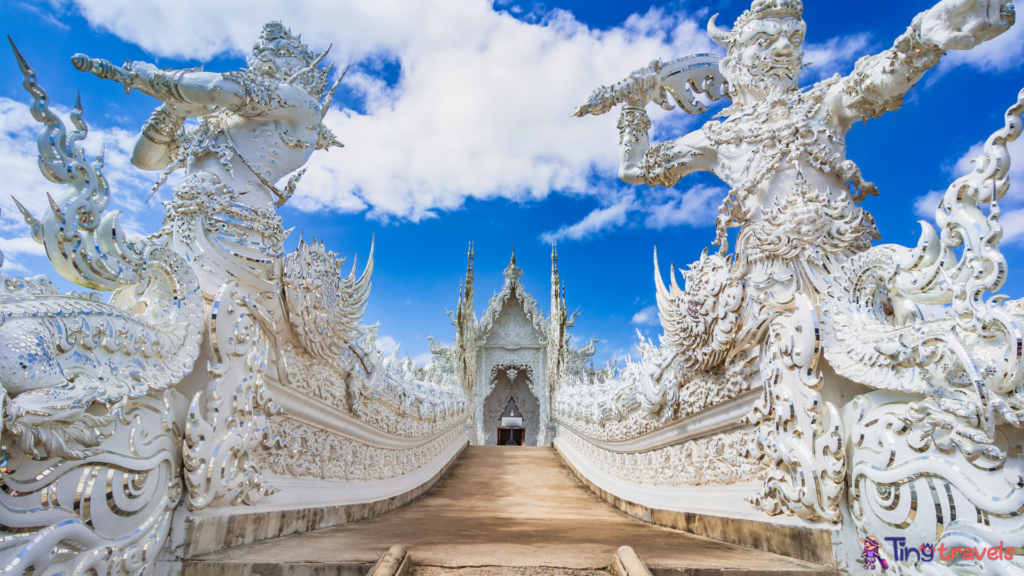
x=556 y=283
x=465 y=337
x=469 y=278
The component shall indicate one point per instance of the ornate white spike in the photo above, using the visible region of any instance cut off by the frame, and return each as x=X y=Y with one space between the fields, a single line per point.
x=316 y=62
x=36 y=225
x=330 y=94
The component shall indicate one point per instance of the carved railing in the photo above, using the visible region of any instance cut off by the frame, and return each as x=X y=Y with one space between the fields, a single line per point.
x=649 y=426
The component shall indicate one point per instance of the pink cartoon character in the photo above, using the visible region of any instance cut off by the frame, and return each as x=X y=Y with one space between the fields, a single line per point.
x=870 y=554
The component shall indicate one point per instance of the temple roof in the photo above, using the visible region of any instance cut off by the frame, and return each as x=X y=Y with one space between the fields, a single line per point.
x=512 y=289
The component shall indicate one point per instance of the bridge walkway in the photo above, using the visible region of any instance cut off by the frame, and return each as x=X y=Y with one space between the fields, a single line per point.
x=500 y=510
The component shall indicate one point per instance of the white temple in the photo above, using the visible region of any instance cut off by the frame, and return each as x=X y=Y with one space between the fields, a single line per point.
x=224 y=410
x=513 y=352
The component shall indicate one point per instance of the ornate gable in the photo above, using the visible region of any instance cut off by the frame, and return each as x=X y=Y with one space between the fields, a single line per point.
x=512 y=319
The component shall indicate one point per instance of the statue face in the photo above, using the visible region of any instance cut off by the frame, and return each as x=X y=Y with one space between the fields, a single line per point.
x=275 y=59
x=732 y=297
x=769 y=55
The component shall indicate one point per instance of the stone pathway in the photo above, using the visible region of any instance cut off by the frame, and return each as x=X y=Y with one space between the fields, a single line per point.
x=499 y=511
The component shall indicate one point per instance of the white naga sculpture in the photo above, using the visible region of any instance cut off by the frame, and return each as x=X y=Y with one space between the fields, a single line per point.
x=934 y=454
x=105 y=402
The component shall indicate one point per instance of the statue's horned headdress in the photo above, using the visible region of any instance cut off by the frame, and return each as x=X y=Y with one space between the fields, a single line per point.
x=276 y=31
x=310 y=75
x=759 y=9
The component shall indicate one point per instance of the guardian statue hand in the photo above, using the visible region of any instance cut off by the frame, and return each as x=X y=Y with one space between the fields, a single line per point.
x=640 y=87
x=963 y=24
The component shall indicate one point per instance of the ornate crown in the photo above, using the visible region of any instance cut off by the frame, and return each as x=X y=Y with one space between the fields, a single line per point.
x=758 y=9
x=768 y=8
x=313 y=77
x=275 y=30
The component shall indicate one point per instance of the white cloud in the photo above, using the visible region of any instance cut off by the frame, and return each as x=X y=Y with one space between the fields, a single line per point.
x=835 y=55
x=14 y=247
x=647 y=316
x=387 y=344
x=597 y=221
x=1005 y=52
x=696 y=207
x=425 y=359
x=1013 y=225
x=924 y=206
x=660 y=207
x=482 y=106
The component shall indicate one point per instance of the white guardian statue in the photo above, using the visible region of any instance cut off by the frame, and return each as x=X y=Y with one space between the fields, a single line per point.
x=116 y=411
x=907 y=421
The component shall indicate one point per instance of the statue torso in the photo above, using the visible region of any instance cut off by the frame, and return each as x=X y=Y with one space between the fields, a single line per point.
x=223 y=210
x=763 y=150
x=792 y=189
x=274 y=143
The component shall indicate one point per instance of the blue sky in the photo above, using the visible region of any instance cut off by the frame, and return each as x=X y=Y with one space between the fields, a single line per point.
x=455 y=117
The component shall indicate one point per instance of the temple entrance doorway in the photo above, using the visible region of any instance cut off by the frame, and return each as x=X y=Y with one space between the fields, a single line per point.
x=511 y=431
x=511 y=392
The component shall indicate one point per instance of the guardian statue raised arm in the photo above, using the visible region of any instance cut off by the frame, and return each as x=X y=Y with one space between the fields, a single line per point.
x=775 y=133
x=268 y=116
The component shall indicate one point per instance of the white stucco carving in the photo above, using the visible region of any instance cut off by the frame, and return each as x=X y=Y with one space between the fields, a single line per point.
x=171 y=377
x=720 y=459
x=314 y=453
x=119 y=414
x=806 y=308
x=108 y=511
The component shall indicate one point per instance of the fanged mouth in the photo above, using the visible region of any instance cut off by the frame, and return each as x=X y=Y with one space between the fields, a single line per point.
x=781 y=69
x=786 y=73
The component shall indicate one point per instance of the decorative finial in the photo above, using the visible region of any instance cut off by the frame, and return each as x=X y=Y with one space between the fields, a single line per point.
x=512 y=272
